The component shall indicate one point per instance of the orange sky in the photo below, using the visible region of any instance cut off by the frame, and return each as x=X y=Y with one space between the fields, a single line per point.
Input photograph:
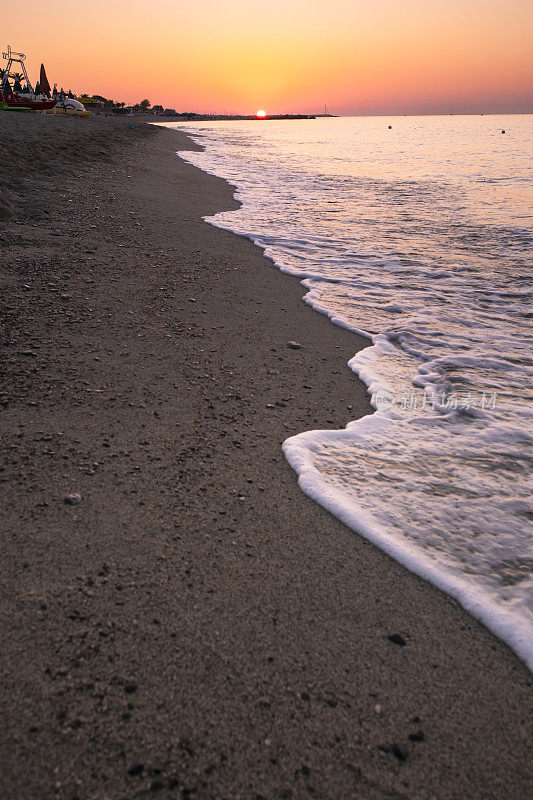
x=376 y=56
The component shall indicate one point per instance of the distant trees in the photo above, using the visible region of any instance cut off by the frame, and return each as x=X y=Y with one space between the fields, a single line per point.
x=17 y=86
x=108 y=104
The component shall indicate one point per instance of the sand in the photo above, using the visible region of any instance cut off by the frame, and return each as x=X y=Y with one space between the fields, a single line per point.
x=178 y=619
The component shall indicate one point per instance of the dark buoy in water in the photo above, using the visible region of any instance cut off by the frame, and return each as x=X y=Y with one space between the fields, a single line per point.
x=390 y=127
x=503 y=131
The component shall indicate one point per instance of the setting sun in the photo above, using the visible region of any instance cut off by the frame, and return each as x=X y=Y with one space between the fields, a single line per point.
x=261 y=113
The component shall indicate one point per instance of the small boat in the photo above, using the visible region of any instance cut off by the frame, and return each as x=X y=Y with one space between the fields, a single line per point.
x=68 y=105
x=17 y=96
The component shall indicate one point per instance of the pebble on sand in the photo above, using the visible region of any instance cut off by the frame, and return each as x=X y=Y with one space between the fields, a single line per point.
x=73 y=499
x=400 y=752
x=395 y=638
x=294 y=345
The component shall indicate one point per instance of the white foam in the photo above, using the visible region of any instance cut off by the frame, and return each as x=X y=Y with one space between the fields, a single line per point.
x=441 y=488
x=509 y=625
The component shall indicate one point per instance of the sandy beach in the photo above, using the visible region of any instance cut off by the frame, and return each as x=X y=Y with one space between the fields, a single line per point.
x=178 y=619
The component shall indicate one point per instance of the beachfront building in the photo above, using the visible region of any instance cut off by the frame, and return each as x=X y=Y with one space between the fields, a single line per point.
x=123 y=110
x=92 y=103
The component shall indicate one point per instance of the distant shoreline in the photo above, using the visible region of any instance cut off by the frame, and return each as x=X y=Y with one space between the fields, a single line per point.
x=190 y=117
x=239 y=117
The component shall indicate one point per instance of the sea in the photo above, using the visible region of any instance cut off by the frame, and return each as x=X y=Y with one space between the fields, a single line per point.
x=416 y=232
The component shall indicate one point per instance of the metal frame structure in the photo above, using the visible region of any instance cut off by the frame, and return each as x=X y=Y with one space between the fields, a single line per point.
x=14 y=58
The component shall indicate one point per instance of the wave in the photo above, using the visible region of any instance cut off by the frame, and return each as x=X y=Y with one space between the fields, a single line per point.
x=436 y=477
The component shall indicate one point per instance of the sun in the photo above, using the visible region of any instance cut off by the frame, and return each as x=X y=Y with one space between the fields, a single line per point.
x=261 y=114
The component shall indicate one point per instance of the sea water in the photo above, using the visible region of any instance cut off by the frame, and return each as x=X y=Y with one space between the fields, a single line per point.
x=415 y=231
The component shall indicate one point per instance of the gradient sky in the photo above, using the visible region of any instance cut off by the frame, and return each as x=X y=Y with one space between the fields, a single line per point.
x=377 y=56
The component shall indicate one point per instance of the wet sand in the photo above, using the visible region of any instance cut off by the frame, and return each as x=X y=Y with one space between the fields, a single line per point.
x=194 y=626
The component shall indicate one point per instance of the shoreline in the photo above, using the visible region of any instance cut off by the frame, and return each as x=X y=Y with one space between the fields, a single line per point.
x=251 y=637
x=510 y=628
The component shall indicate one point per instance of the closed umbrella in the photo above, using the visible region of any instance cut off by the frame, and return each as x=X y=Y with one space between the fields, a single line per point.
x=43 y=81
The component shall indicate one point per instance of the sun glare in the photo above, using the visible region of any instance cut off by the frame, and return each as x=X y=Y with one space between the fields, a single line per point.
x=261 y=114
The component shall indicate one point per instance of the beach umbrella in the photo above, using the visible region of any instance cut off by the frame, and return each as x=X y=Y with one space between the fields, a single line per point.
x=43 y=81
